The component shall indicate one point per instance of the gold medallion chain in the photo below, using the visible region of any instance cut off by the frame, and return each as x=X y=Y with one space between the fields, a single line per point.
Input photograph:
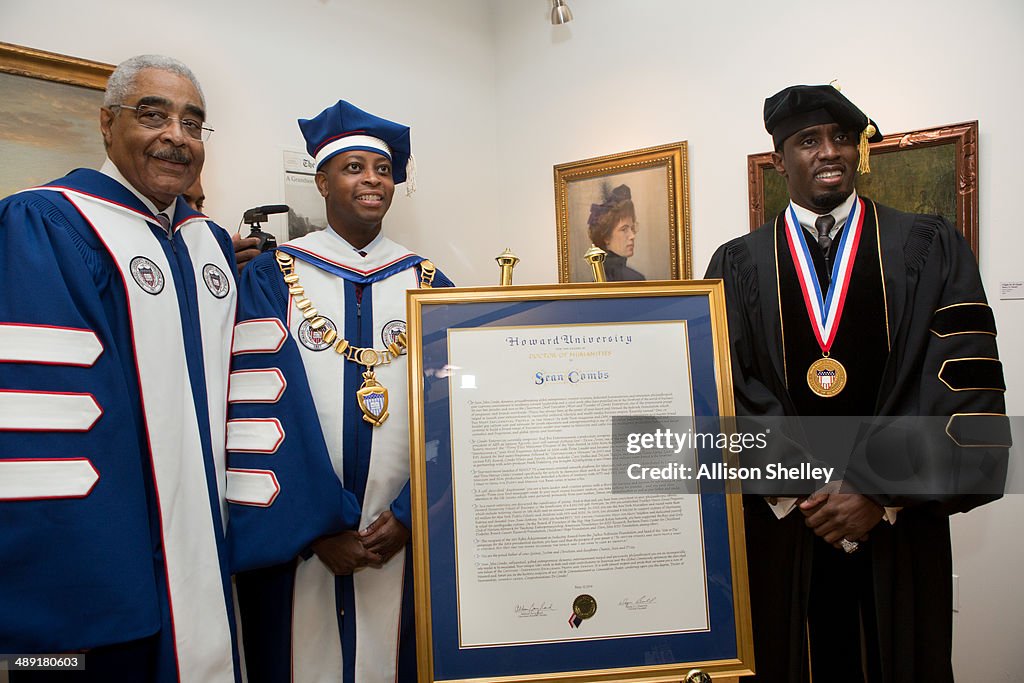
x=372 y=396
x=367 y=357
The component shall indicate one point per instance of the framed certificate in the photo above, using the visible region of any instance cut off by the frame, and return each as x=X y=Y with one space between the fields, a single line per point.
x=540 y=553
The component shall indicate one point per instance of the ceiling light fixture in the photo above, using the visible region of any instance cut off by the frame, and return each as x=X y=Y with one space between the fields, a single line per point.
x=560 y=12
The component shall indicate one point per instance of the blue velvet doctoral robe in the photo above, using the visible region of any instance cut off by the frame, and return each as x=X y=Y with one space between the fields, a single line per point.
x=113 y=383
x=304 y=464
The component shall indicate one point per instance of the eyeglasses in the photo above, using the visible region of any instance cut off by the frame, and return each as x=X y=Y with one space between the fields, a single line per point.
x=158 y=119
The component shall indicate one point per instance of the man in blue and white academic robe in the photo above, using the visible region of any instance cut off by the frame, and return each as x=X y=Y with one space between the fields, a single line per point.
x=318 y=477
x=113 y=399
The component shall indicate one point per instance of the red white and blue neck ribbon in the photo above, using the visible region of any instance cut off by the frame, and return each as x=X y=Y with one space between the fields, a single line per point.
x=825 y=312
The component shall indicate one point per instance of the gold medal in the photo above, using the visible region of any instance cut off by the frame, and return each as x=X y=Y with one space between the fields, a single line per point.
x=826 y=377
x=584 y=606
x=373 y=399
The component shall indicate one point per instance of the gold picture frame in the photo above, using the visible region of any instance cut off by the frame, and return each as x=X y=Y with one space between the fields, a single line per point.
x=659 y=183
x=438 y=370
x=51 y=66
x=49 y=116
x=932 y=170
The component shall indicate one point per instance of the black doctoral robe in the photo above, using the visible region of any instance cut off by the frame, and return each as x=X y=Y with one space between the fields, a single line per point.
x=929 y=274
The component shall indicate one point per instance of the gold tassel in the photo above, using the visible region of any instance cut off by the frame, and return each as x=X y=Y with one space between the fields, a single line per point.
x=864 y=165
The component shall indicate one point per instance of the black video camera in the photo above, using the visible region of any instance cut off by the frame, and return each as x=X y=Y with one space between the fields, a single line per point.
x=258 y=215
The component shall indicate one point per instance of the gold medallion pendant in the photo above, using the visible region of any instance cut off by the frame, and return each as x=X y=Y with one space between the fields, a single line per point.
x=826 y=377
x=321 y=334
x=373 y=399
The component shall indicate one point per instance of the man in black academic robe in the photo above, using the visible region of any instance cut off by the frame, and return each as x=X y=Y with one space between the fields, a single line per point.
x=861 y=576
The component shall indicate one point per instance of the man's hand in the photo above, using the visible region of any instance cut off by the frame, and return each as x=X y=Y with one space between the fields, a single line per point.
x=245 y=249
x=386 y=536
x=834 y=516
x=345 y=553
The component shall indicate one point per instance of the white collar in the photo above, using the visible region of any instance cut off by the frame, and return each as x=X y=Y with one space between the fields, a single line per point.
x=366 y=250
x=327 y=246
x=806 y=217
x=110 y=170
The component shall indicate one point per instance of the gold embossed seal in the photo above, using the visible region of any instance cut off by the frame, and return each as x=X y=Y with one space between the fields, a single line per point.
x=584 y=606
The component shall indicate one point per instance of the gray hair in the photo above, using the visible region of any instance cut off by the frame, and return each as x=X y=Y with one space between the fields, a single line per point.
x=121 y=81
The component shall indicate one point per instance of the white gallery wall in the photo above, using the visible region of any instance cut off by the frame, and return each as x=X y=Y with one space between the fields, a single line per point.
x=496 y=96
x=263 y=64
x=625 y=75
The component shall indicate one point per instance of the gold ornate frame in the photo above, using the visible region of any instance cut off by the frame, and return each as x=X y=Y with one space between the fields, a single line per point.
x=672 y=157
x=54 y=100
x=962 y=138
x=50 y=66
x=418 y=303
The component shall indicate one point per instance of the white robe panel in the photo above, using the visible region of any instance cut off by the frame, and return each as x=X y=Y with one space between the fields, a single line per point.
x=200 y=619
x=378 y=592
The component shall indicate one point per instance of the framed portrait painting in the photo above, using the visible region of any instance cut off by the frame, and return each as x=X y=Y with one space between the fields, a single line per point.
x=634 y=205
x=932 y=170
x=49 y=115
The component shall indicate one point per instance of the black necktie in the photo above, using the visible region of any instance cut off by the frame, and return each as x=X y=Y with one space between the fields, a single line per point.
x=824 y=225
